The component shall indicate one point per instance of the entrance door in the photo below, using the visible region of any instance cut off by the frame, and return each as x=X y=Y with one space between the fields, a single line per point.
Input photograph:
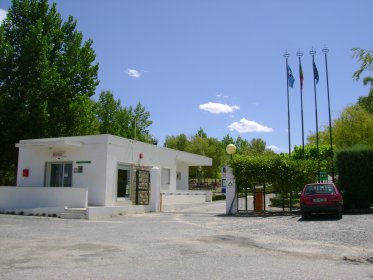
x=61 y=174
x=123 y=183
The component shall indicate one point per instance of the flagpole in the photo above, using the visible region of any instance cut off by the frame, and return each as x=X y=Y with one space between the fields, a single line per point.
x=287 y=55
x=300 y=54
x=325 y=50
x=313 y=52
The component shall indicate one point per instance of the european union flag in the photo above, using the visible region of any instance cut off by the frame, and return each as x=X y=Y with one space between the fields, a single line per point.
x=290 y=77
x=315 y=73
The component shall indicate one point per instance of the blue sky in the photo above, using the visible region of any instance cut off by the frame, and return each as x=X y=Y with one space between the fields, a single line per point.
x=219 y=65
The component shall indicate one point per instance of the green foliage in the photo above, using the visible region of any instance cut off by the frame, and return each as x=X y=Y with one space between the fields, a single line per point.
x=325 y=155
x=125 y=122
x=139 y=124
x=354 y=126
x=284 y=174
x=324 y=137
x=112 y=118
x=355 y=168
x=201 y=144
x=179 y=142
x=365 y=57
x=47 y=75
x=366 y=102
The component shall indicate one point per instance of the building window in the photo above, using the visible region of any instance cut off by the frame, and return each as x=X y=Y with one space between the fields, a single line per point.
x=165 y=176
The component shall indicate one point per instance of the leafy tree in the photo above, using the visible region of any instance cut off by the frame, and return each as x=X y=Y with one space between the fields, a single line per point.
x=139 y=125
x=354 y=126
x=324 y=137
x=325 y=155
x=179 y=142
x=257 y=146
x=47 y=75
x=365 y=57
x=242 y=146
x=227 y=140
x=201 y=133
x=125 y=122
x=366 y=102
x=109 y=112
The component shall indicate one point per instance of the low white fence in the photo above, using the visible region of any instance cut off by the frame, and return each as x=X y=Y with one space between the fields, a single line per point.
x=186 y=197
x=39 y=197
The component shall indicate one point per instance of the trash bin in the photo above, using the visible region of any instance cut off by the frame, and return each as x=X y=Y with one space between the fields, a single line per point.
x=259 y=199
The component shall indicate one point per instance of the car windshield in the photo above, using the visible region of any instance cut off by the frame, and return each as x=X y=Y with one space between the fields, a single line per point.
x=320 y=189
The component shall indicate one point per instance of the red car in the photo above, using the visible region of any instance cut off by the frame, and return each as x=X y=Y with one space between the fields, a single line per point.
x=321 y=198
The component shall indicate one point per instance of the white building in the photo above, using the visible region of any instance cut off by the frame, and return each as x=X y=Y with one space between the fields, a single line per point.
x=111 y=169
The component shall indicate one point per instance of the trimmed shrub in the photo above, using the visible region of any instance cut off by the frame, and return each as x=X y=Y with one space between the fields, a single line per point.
x=355 y=169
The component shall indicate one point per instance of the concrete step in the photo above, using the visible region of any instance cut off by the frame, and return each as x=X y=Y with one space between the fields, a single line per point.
x=74 y=213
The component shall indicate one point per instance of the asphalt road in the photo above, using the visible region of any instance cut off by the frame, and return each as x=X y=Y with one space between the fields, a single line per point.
x=193 y=243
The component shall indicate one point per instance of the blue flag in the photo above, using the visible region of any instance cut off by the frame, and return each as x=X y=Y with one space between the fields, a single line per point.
x=315 y=73
x=290 y=77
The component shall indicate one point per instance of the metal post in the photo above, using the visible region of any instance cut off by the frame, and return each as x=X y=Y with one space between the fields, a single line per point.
x=287 y=55
x=325 y=50
x=313 y=52
x=300 y=54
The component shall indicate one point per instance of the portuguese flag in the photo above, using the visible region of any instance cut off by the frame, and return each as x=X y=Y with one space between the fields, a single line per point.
x=301 y=78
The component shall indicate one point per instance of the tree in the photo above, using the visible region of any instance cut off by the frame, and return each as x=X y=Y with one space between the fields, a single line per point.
x=125 y=122
x=366 y=102
x=324 y=137
x=109 y=113
x=139 y=125
x=354 y=126
x=242 y=145
x=179 y=142
x=257 y=146
x=201 y=133
x=47 y=75
x=366 y=59
x=227 y=140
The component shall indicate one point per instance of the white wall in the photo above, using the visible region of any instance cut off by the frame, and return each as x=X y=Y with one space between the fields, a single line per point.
x=103 y=152
x=183 y=182
x=93 y=177
x=38 y=197
x=34 y=161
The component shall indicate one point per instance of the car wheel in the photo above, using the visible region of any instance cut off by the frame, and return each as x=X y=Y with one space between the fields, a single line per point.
x=339 y=215
x=304 y=215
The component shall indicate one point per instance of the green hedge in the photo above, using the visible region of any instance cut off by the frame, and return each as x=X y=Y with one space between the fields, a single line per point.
x=282 y=173
x=355 y=169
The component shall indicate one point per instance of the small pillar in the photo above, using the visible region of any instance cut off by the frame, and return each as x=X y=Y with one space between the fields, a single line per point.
x=230 y=185
x=155 y=187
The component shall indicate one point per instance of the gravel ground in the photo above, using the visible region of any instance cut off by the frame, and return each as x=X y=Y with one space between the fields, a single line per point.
x=192 y=243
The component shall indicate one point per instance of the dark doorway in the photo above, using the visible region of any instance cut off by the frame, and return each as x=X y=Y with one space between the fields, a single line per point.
x=61 y=174
x=123 y=185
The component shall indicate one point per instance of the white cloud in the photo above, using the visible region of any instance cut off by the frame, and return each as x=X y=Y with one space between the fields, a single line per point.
x=273 y=148
x=218 y=108
x=222 y=96
x=133 y=73
x=244 y=126
x=2 y=14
